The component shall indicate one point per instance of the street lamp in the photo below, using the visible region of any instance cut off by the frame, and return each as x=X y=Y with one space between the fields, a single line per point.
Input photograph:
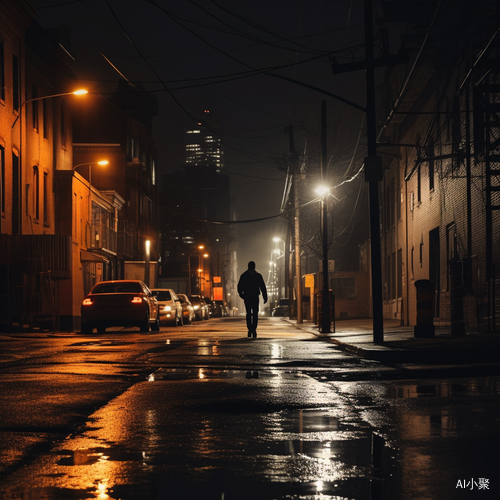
x=283 y=268
x=202 y=272
x=200 y=247
x=146 y=262
x=18 y=223
x=276 y=279
x=19 y=117
x=323 y=191
x=89 y=164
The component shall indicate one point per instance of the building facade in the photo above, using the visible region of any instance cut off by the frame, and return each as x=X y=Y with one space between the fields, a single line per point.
x=440 y=193
x=204 y=145
x=35 y=141
x=65 y=224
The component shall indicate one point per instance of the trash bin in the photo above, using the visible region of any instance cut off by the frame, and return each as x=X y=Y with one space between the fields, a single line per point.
x=319 y=309
x=425 y=309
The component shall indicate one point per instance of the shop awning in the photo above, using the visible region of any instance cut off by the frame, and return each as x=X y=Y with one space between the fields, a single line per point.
x=86 y=256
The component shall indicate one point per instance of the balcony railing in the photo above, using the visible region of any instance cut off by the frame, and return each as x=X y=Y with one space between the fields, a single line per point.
x=103 y=237
x=127 y=238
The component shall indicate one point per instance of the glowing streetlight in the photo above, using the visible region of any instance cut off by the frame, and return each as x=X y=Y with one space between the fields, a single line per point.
x=76 y=92
x=322 y=190
x=146 y=261
x=200 y=248
x=18 y=223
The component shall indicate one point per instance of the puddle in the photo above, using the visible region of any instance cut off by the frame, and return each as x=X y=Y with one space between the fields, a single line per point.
x=209 y=373
x=154 y=450
x=446 y=388
x=94 y=455
x=101 y=342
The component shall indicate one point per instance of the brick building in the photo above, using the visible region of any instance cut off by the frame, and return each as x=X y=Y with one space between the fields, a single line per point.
x=35 y=140
x=62 y=229
x=440 y=146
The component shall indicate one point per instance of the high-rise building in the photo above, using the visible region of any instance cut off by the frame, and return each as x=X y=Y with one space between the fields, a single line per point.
x=203 y=147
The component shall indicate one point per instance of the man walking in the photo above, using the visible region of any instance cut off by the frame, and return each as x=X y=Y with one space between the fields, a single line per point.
x=250 y=285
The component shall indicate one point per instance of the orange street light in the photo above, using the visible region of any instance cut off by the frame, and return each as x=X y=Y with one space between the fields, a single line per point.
x=18 y=223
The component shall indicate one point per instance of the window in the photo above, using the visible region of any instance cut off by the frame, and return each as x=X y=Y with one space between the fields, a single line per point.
x=45 y=199
x=430 y=156
x=2 y=179
x=34 y=109
x=2 y=73
x=16 y=220
x=399 y=199
x=451 y=248
x=75 y=218
x=392 y=197
x=419 y=184
x=82 y=224
x=36 y=192
x=153 y=171
x=45 y=120
x=412 y=260
x=15 y=83
x=134 y=148
x=387 y=288
x=393 y=276
x=344 y=288
x=400 y=273
x=63 y=124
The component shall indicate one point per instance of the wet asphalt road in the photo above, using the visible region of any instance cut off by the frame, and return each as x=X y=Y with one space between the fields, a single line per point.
x=202 y=412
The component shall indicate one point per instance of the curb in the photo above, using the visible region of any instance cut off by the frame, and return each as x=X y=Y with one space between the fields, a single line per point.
x=385 y=354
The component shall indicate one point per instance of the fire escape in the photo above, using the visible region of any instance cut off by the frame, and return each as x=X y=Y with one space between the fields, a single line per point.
x=487 y=143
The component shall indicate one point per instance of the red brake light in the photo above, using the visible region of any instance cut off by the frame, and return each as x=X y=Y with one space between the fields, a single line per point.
x=137 y=300
x=87 y=302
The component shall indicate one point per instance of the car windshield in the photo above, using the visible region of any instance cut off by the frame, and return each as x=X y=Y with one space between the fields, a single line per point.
x=162 y=295
x=118 y=288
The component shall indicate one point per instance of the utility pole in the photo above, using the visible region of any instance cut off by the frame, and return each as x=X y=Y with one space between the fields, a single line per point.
x=326 y=320
x=289 y=267
x=373 y=174
x=373 y=163
x=295 y=184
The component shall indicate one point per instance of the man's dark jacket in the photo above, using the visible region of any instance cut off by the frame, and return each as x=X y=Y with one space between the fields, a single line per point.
x=250 y=285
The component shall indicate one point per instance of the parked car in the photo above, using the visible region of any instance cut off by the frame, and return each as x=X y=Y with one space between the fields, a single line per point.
x=187 y=309
x=199 y=306
x=222 y=308
x=281 y=309
x=170 y=306
x=210 y=306
x=219 y=309
x=120 y=303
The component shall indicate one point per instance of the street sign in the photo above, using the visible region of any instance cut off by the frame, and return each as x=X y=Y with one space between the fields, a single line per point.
x=309 y=280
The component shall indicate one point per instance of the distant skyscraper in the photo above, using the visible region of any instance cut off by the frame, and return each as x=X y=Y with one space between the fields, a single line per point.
x=203 y=147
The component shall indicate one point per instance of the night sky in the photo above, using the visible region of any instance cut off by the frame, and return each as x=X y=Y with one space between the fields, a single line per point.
x=221 y=56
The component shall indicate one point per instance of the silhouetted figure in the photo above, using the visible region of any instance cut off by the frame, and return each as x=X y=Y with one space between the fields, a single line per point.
x=250 y=285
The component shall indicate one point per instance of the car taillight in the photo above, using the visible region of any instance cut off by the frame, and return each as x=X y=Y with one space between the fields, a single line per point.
x=137 y=300
x=87 y=302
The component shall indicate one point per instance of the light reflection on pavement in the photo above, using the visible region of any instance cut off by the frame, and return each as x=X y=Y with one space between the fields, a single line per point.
x=220 y=433
x=197 y=427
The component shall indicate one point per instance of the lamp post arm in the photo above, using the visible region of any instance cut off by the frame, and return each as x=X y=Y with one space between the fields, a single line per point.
x=37 y=99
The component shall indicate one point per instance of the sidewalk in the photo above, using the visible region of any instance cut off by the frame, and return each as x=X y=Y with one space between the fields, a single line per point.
x=400 y=345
